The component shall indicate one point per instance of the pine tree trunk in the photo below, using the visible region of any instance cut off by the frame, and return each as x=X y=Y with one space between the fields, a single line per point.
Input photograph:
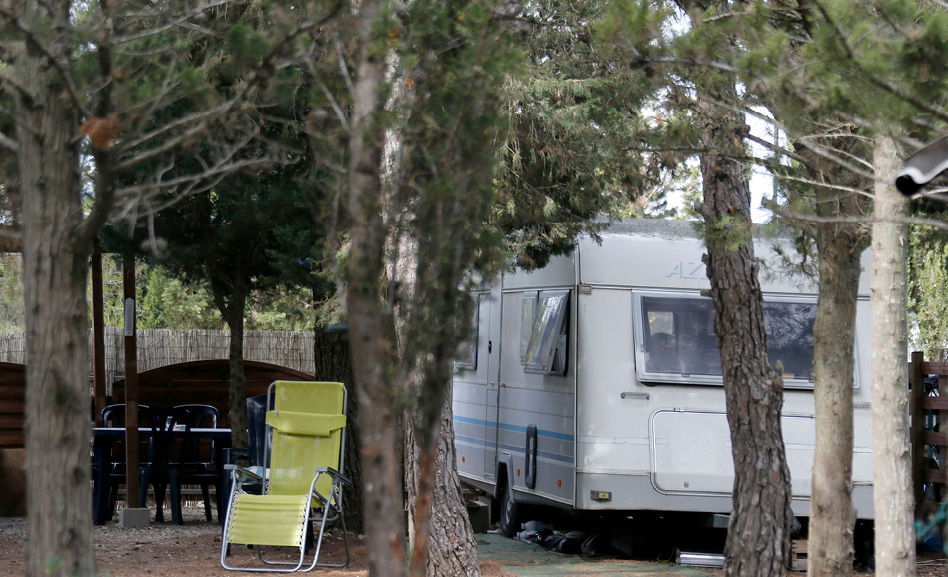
x=237 y=392
x=452 y=547
x=333 y=361
x=832 y=517
x=758 y=540
x=55 y=258
x=370 y=327
x=893 y=496
x=840 y=245
x=378 y=428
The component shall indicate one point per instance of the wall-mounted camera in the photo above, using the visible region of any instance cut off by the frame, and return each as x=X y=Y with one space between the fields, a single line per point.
x=923 y=166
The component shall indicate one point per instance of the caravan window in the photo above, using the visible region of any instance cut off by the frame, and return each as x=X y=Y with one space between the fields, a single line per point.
x=677 y=342
x=466 y=357
x=543 y=331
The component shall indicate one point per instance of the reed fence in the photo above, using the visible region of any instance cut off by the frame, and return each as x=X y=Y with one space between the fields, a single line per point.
x=162 y=347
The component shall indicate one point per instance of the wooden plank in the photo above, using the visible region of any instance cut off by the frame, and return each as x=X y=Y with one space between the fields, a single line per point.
x=918 y=427
x=11 y=421
x=7 y=394
x=934 y=403
x=930 y=438
x=11 y=439
x=934 y=476
x=927 y=508
x=16 y=407
x=799 y=555
x=935 y=368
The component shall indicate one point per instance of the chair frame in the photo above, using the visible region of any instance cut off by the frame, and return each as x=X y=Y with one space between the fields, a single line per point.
x=162 y=470
x=116 y=479
x=332 y=509
x=200 y=472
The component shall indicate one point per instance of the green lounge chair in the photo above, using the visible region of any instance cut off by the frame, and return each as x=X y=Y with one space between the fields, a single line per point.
x=303 y=485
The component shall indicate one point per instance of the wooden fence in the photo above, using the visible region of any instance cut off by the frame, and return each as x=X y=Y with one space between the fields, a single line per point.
x=929 y=408
x=12 y=405
x=162 y=347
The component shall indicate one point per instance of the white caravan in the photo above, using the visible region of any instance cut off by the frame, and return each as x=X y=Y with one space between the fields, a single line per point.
x=594 y=384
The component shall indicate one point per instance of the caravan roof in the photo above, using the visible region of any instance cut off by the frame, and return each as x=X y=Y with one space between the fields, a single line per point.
x=665 y=254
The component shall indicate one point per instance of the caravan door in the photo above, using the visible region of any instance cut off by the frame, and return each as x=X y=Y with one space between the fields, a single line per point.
x=475 y=387
x=493 y=310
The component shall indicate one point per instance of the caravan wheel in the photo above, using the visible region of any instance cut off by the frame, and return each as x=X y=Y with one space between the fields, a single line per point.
x=508 y=512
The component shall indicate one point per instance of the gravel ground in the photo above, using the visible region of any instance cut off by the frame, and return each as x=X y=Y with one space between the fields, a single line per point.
x=193 y=550
x=189 y=550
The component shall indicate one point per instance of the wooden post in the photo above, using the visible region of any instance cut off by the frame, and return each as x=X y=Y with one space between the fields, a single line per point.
x=918 y=429
x=98 y=334
x=131 y=386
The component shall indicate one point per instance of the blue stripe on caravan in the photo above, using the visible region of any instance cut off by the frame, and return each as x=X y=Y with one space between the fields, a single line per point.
x=469 y=440
x=543 y=454
x=515 y=428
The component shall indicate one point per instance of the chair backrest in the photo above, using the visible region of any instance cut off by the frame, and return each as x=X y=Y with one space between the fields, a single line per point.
x=164 y=420
x=308 y=423
x=114 y=415
x=258 y=434
x=197 y=450
x=202 y=416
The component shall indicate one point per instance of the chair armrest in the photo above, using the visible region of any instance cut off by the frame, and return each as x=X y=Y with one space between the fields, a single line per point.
x=243 y=474
x=334 y=474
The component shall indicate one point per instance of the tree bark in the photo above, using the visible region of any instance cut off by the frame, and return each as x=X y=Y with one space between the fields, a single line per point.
x=832 y=516
x=758 y=540
x=370 y=327
x=237 y=392
x=452 y=547
x=893 y=496
x=55 y=258
x=333 y=360
x=232 y=305
x=839 y=245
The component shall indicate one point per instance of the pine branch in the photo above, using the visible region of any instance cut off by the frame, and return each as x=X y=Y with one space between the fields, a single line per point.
x=816 y=183
x=178 y=20
x=777 y=149
x=873 y=78
x=801 y=217
x=104 y=185
x=693 y=62
x=11 y=85
x=802 y=140
x=58 y=63
x=190 y=124
x=9 y=143
x=188 y=184
x=10 y=238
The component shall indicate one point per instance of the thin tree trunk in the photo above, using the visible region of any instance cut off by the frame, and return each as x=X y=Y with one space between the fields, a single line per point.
x=333 y=360
x=55 y=259
x=231 y=301
x=758 y=540
x=893 y=496
x=237 y=392
x=832 y=516
x=370 y=327
x=840 y=245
